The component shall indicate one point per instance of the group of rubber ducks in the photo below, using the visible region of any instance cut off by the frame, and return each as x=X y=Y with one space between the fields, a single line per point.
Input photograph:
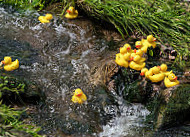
x=135 y=60
x=72 y=13
x=159 y=73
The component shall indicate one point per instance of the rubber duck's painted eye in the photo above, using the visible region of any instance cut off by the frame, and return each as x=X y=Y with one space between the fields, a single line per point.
x=172 y=76
x=77 y=92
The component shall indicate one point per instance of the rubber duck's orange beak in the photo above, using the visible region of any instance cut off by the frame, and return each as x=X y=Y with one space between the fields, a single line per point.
x=142 y=73
x=3 y=62
x=68 y=11
x=175 y=78
x=132 y=58
x=135 y=50
x=154 y=39
x=138 y=46
x=128 y=48
x=78 y=95
x=159 y=67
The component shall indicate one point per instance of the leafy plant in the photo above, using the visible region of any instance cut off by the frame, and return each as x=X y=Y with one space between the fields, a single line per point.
x=10 y=123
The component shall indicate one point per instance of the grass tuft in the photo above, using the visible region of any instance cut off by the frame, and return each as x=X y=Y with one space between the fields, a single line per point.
x=167 y=20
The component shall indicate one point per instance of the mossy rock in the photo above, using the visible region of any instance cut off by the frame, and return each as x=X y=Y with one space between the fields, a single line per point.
x=130 y=85
x=172 y=110
x=15 y=90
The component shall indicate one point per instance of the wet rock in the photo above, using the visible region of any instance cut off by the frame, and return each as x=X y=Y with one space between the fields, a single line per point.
x=129 y=84
x=15 y=90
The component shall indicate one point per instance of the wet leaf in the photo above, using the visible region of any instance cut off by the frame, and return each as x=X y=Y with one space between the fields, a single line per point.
x=150 y=52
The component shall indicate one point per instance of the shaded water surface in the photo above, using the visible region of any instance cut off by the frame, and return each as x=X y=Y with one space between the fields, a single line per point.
x=59 y=57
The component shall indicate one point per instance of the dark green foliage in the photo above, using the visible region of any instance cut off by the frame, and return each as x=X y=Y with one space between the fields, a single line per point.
x=24 y=4
x=14 y=90
x=11 y=85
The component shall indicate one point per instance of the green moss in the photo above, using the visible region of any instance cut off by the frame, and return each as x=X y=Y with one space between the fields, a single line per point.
x=129 y=84
x=171 y=113
x=178 y=108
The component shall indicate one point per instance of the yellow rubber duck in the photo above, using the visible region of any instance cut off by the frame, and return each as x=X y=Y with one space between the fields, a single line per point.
x=138 y=52
x=79 y=96
x=137 y=62
x=120 y=60
x=150 y=41
x=125 y=49
x=49 y=16
x=71 y=13
x=46 y=18
x=137 y=58
x=156 y=76
x=138 y=44
x=171 y=80
x=144 y=72
x=163 y=69
x=9 y=65
x=42 y=19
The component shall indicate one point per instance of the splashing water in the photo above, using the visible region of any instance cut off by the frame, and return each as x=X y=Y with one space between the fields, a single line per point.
x=58 y=56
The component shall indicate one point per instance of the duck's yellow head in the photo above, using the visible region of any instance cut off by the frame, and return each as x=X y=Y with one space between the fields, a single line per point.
x=163 y=67
x=128 y=47
x=78 y=92
x=48 y=16
x=71 y=10
x=7 y=60
x=125 y=48
x=138 y=44
x=172 y=77
x=150 y=38
x=143 y=71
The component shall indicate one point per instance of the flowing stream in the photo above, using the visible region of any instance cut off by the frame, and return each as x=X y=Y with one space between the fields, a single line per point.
x=59 y=57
